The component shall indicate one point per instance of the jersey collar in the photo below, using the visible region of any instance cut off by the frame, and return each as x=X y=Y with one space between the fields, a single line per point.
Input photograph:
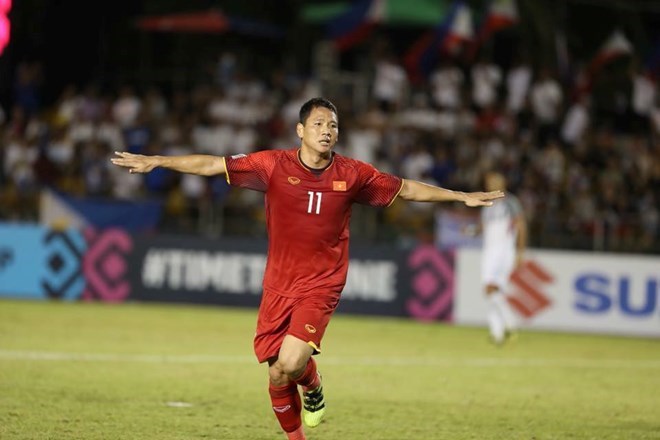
x=316 y=171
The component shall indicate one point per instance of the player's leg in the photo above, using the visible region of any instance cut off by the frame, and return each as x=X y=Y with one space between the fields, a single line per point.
x=496 y=325
x=313 y=398
x=272 y=325
x=290 y=362
x=510 y=322
x=496 y=269
x=308 y=323
x=491 y=270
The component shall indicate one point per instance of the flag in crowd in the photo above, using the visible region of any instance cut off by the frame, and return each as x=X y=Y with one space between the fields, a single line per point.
x=356 y=24
x=445 y=39
x=501 y=14
x=616 y=46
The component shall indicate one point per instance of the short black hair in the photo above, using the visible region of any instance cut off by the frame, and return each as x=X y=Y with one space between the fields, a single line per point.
x=313 y=103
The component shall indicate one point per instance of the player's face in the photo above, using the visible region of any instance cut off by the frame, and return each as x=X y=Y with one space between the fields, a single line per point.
x=320 y=131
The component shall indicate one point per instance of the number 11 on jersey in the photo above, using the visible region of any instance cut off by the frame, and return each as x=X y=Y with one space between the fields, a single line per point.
x=310 y=205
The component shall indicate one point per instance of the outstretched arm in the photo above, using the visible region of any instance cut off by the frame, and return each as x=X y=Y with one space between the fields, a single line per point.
x=415 y=191
x=200 y=164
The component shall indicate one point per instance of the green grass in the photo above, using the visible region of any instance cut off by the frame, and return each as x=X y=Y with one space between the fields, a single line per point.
x=99 y=371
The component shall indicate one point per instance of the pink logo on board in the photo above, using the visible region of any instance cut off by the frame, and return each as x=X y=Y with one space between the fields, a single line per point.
x=104 y=265
x=432 y=283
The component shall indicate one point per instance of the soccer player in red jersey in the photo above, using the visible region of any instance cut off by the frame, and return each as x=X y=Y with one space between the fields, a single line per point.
x=309 y=192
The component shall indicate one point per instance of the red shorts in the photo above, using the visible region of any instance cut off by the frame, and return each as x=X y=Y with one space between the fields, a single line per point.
x=305 y=318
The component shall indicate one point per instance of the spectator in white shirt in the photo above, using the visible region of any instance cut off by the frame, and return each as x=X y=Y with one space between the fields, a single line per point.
x=446 y=84
x=486 y=78
x=546 y=98
x=127 y=107
x=390 y=84
x=575 y=122
x=644 y=94
x=518 y=80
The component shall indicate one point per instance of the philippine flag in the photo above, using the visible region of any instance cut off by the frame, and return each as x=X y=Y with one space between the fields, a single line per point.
x=60 y=211
x=448 y=36
x=501 y=14
x=354 y=25
x=616 y=46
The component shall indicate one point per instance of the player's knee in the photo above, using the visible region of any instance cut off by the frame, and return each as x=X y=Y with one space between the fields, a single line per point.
x=292 y=364
x=277 y=375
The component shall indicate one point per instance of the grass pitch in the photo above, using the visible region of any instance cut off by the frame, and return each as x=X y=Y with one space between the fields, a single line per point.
x=138 y=371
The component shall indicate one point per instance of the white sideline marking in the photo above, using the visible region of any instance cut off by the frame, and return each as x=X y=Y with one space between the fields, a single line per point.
x=179 y=404
x=362 y=361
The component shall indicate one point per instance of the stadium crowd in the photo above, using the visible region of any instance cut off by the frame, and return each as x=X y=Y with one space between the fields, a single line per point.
x=584 y=163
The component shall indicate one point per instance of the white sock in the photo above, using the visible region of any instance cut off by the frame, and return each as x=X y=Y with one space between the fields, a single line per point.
x=495 y=323
x=499 y=301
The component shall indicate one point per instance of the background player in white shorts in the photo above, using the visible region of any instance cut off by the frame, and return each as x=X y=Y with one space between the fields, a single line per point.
x=504 y=232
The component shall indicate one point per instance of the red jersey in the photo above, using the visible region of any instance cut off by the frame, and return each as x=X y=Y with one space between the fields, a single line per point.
x=308 y=214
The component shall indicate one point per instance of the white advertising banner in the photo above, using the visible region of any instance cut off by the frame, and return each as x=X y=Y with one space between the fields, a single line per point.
x=569 y=291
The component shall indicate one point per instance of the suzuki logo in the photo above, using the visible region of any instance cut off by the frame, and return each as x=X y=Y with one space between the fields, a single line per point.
x=528 y=281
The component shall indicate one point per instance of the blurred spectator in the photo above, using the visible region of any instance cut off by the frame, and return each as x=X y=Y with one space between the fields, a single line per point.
x=518 y=81
x=417 y=163
x=486 y=78
x=68 y=105
x=546 y=100
x=446 y=84
x=95 y=169
x=576 y=121
x=26 y=87
x=643 y=100
x=390 y=83
x=155 y=104
x=364 y=139
x=127 y=107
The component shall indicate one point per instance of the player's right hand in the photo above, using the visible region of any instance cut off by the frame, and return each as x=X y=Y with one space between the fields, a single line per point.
x=136 y=163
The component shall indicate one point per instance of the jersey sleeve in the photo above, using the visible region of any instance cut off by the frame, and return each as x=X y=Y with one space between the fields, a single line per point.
x=377 y=188
x=252 y=170
x=515 y=207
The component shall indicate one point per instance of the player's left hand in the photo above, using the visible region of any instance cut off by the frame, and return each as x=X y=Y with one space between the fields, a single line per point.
x=482 y=198
x=136 y=163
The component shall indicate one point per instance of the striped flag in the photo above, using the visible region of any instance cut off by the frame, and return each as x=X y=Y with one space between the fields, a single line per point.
x=616 y=46
x=354 y=25
x=448 y=37
x=501 y=14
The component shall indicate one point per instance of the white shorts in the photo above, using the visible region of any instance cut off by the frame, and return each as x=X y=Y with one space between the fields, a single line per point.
x=496 y=268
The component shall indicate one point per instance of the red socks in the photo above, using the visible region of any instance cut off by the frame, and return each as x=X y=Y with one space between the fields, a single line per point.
x=298 y=434
x=310 y=378
x=287 y=406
